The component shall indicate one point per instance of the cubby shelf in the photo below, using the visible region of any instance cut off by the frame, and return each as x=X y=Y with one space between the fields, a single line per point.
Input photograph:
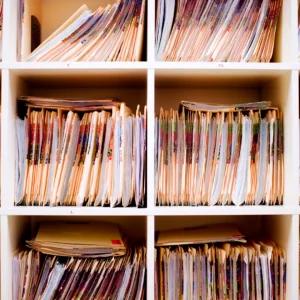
x=157 y=84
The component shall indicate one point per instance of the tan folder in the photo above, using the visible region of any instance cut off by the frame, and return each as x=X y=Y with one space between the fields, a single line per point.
x=78 y=239
x=201 y=235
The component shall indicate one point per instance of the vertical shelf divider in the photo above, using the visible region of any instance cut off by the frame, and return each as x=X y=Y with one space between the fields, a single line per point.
x=9 y=31
x=8 y=104
x=151 y=32
x=150 y=139
x=150 y=256
x=6 y=273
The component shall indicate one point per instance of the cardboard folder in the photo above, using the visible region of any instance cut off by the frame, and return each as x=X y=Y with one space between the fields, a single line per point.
x=78 y=239
x=201 y=235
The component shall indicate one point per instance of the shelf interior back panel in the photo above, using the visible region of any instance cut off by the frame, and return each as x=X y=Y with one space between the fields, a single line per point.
x=128 y=86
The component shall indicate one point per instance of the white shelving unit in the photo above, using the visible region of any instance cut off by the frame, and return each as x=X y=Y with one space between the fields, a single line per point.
x=155 y=84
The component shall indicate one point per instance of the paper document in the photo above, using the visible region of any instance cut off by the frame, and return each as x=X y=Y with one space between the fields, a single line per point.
x=256 y=270
x=205 y=234
x=216 y=31
x=78 y=239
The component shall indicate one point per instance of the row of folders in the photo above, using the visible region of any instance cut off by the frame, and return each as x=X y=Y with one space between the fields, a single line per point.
x=89 y=152
x=227 y=31
x=214 y=262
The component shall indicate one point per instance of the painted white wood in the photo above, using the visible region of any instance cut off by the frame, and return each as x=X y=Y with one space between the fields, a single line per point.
x=76 y=66
x=285 y=49
x=7 y=142
x=75 y=211
x=224 y=210
x=6 y=257
x=9 y=31
x=151 y=32
x=155 y=211
x=150 y=256
x=13 y=231
x=155 y=84
x=216 y=66
x=150 y=139
x=226 y=65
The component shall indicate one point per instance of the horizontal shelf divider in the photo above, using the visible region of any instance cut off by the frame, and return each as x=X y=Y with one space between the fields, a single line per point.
x=147 y=65
x=156 y=211
x=74 y=65
x=77 y=211
x=226 y=66
x=226 y=210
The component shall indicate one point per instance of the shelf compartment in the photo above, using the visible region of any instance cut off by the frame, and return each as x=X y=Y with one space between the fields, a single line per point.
x=128 y=86
x=239 y=86
x=51 y=15
x=281 y=229
x=20 y=228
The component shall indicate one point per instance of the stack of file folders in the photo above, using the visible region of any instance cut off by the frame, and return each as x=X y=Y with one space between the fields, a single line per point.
x=111 y=33
x=72 y=152
x=36 y=276
x=212 y=270
x=86 y=240
x=213 y=30
x=219 y=155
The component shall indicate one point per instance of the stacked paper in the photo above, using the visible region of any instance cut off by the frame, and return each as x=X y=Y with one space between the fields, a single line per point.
x=208 y=154
x=73 y=158
x=196 y=106
x=111 y=33
x=55 y=277
x=256 y=270
x=70 y=104
x=205 y=234
x=78 y=239
x=216 y=30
